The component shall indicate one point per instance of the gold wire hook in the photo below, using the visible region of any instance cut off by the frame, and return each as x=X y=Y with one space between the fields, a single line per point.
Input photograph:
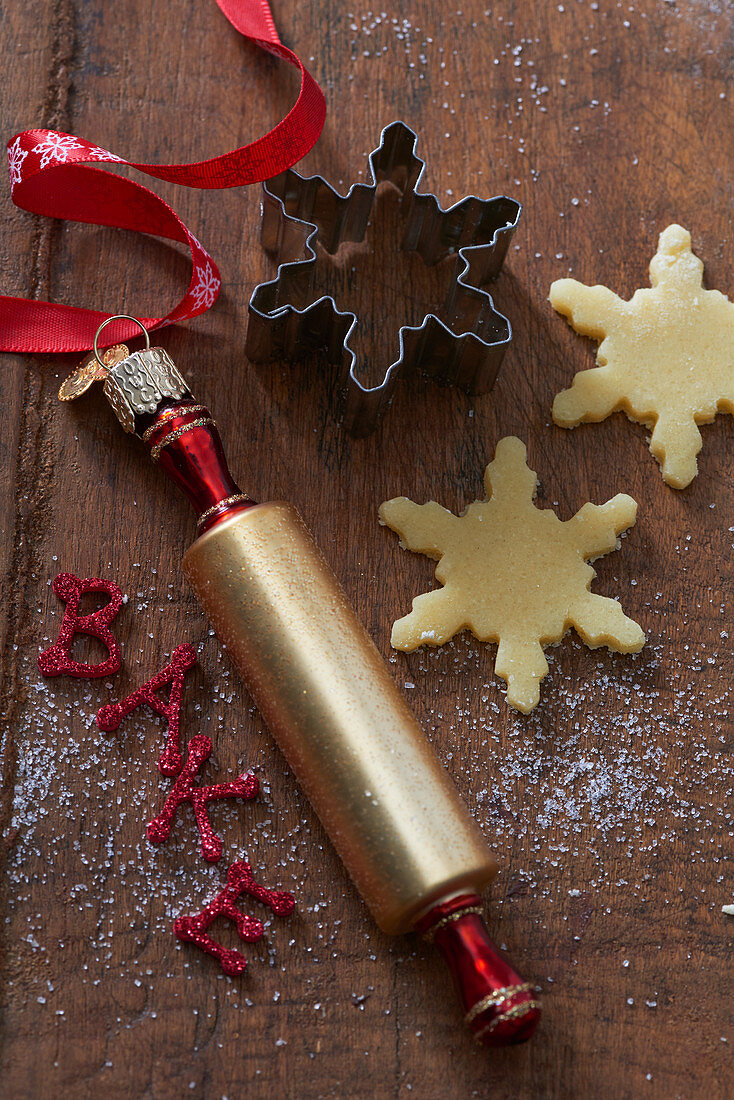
x=118 y=317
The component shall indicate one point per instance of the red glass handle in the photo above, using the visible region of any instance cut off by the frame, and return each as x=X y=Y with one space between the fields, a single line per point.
x=184 y=441
x=499 y=1006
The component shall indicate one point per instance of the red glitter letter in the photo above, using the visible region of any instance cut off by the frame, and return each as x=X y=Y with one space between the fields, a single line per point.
x=56 y=660
x=193 y=929
x=110 y=716
x=184 y=790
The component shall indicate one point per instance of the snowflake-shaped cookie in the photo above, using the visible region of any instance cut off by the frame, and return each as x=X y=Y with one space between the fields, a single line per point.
x=666 y=357
x=513 y=574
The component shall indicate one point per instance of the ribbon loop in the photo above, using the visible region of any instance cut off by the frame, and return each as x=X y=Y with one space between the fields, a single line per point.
x=53 y=174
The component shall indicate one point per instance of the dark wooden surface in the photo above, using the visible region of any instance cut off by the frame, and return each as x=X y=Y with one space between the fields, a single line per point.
x=609 y=808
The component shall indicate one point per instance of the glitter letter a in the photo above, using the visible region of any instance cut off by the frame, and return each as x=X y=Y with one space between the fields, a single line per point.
x=110 y=716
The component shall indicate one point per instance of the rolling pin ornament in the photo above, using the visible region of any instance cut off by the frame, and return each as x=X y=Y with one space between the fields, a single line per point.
x=410 y=845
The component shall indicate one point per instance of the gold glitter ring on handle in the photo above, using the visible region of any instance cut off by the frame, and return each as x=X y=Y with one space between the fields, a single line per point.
x=236 y=498
x=496 y=998
x=430 y=935
x=170 y=414
x=118 y=317
x=189 y=426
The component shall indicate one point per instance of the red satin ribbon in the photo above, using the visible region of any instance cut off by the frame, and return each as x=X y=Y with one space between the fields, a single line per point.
x=48 y=175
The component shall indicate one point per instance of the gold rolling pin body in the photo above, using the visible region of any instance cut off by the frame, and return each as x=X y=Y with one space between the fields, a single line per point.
x=326 y=693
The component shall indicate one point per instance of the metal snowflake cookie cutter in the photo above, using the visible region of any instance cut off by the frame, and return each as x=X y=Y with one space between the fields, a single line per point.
x=464 y=350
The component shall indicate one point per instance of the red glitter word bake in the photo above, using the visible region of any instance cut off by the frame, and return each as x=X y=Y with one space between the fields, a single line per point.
x=57 y=661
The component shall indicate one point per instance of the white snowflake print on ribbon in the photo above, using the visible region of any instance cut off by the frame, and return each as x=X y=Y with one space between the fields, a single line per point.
x=206 y=288
x=56 y=147
x=16 y=156
x=96 y=152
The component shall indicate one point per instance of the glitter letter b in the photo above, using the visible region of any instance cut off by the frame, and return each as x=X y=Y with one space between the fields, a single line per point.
x=57 y=661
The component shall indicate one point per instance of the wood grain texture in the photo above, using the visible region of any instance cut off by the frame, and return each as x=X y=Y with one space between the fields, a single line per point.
x=609 y=808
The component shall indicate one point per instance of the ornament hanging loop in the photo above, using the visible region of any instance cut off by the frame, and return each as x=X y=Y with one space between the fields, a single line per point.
x=118 y=317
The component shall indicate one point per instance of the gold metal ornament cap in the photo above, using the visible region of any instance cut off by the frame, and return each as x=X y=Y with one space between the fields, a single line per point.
x=138 y=385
